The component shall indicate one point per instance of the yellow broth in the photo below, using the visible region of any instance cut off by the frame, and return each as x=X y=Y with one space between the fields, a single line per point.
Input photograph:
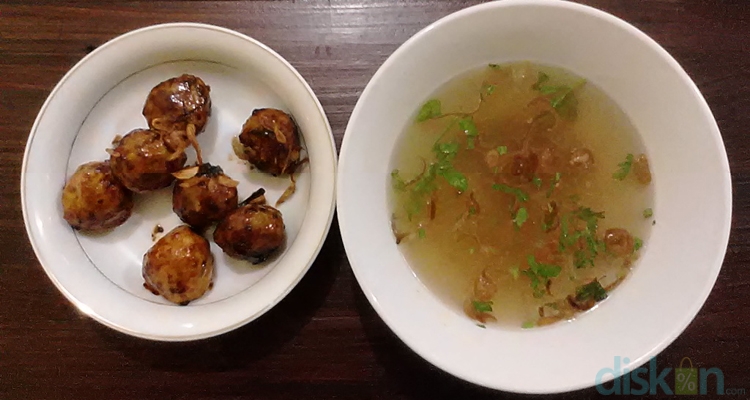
x=471 y=206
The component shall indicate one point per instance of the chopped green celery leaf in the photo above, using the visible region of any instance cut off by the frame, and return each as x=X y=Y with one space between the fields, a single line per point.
x=472 y=210
x=535 y=282
x=481 y=326
x=426 y=184
x=446 y=151
x=648 y=213
x=470 y=143
x=454 y=178
x=421 y=232
x=520 y=194
x=593 y=290
x=624 y=168
x=541 y=80
x=396 y=180
x=528 y=325
x=637 y=244
x=482 y=306
x=566 y=104
x=543 y=270
x=514 y=272
x=488 y=89
x=430 y=109
x=468 y=127
x=521 y=216
x=554 y=183
x=502 y=150
x=549 y=89
x=537 y=182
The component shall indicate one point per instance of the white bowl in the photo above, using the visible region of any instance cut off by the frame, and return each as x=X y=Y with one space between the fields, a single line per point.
x=691 y=187
x=102 y=96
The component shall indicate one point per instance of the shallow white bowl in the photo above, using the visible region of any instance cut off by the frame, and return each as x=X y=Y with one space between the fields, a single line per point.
x=691 y=185
x=101 y=97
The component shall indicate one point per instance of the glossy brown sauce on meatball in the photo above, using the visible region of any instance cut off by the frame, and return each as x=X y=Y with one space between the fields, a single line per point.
x=173 y=104
x=253 y=232
x=204 y=198
x=93 y=200
x=179 y=266
x=142 y=161
x=270 y=140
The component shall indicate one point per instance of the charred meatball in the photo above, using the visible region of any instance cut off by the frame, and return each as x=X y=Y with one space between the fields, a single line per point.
x=179 y=266
x=93 y=200
x=142 y=161
x=251 y=232
x=204 y=198
x=270 y=141
x=177 y=102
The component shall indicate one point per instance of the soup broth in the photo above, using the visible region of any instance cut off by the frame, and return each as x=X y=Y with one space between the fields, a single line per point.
x=521 y=195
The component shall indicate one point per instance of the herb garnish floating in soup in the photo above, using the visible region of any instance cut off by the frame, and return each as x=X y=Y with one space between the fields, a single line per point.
x=521 y=195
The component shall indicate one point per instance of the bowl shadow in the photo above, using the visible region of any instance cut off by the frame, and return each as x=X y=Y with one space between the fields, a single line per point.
x=249 y=343
x=409 y=376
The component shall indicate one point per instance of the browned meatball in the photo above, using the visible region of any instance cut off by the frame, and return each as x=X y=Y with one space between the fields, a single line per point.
x=205 y=198
x=581 y=158
x=179 y=266
x=142 y=161
x=524 y=166
x=93 y=200
x=270 y=141
x=252 y=232
x=177 y=102
x=619 y=242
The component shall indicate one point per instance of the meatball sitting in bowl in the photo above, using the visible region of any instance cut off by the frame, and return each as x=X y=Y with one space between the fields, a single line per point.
x=93 y=200
x=143 y=161
x=253 y=232
x=178 y=109
x=179 y=266
x=204 y=196
x=270 y=142
x=173 y=104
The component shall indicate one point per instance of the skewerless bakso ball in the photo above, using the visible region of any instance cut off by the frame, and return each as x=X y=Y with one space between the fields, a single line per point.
x=177 y=102
x=179 y=266
x=93 y=200
x=253 y=232
x=270 y=141
x=143 y=161
x=204 y=195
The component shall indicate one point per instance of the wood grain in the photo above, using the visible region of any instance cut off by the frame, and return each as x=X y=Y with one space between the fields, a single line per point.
x=324 y=340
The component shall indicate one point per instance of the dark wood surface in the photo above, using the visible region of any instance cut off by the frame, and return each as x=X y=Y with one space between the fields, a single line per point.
x=324 y=340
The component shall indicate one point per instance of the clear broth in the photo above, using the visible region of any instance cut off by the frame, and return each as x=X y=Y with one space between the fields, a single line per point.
x=458 y=243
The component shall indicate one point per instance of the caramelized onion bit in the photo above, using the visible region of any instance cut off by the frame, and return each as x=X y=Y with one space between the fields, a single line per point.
x=186 y=173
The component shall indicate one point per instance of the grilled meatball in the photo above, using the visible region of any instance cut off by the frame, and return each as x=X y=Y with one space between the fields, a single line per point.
x=251 y=232
x=93 y=200
x=270 y=141
x=204 y=198
x=177 y=102
x=179 y=266
x=619 y=242
x=142 y=161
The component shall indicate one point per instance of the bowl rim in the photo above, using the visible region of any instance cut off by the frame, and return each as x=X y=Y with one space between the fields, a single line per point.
x=345 y=226
x=314 y=250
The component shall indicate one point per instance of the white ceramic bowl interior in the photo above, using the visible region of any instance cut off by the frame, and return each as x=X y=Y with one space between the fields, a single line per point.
x=691 y=184
x=101 y=97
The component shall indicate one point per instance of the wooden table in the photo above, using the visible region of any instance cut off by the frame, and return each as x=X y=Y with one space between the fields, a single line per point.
x=324 y=340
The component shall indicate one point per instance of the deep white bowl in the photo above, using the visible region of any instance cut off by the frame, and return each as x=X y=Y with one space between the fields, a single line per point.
x=691 y=184
x=101 y=97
